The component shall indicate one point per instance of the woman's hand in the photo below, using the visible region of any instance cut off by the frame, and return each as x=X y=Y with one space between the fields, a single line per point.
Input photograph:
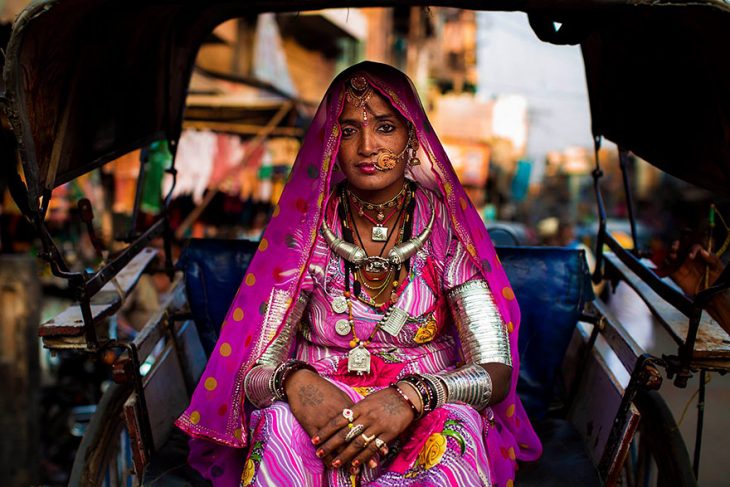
x=314 y=400
x=383 y=414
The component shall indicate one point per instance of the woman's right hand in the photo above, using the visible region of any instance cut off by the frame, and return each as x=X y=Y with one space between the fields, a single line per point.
x=313 y=400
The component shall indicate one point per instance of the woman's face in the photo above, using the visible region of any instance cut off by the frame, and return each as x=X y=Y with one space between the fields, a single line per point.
x=362 y=142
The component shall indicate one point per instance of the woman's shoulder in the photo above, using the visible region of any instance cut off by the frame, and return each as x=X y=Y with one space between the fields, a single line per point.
x=428 y=201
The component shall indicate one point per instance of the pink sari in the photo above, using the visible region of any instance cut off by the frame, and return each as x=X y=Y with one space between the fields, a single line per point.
x=274 y=279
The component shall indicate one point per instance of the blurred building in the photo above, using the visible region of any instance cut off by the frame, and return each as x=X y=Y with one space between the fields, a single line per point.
x=511 y=60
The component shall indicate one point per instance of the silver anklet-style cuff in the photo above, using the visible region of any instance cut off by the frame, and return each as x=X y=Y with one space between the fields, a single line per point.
x=280 y=348
x=470 y=384
x=481 y=331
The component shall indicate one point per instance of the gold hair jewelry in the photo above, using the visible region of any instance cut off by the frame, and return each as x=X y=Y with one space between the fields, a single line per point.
x=358 y=93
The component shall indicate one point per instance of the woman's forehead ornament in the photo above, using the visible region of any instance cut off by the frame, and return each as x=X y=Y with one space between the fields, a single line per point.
x=358 y=93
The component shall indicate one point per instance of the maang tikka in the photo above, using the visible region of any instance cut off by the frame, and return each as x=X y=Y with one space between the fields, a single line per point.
x=358 y=93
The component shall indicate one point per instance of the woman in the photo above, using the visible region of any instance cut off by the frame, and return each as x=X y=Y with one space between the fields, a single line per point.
x=373 y=340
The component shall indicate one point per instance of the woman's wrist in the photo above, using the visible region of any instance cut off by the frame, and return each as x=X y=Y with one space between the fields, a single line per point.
x=296 y=378
x=282 y=375
x=410 y=397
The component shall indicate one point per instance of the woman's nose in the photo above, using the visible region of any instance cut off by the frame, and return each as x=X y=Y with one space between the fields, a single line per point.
x=368 y=143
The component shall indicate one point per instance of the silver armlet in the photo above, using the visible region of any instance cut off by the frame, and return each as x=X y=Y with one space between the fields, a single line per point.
x=279 y=349
x=481 y=331
x=470 y=384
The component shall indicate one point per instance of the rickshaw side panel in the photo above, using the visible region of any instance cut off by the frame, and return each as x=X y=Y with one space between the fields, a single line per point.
x=595 y=408
x=167 y=388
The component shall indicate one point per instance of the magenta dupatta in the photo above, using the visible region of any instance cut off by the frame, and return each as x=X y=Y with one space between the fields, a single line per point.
x=272 y=281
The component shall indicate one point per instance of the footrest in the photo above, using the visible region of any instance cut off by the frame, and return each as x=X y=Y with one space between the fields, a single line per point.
x=564 y=461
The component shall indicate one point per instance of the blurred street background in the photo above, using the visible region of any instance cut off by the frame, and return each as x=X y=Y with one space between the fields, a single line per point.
x=512 y=111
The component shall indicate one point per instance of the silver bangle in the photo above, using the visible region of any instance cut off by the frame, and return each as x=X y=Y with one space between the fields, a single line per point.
x=258 y=385
x=470 y=384
x=482 y=333
x=280 y=348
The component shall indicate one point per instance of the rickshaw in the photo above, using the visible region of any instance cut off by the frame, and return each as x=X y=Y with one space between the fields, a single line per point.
x=86 y=81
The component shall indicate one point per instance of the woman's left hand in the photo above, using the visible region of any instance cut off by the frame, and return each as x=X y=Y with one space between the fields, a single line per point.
x=383 y=414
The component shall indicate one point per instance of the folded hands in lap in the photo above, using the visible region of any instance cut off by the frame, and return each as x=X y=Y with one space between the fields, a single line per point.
x=318 y=406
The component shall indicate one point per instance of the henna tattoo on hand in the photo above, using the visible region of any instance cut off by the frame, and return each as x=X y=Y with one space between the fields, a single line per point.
x=393 y=405
x=310 y=395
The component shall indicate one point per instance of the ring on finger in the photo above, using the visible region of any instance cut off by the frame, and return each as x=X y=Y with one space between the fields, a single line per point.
x=354 y=431
x=379 y=443
x=348 y=414
x=367 y=439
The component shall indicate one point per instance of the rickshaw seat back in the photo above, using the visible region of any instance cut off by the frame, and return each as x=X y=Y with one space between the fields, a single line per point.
x=213 y=269
x=552 y=285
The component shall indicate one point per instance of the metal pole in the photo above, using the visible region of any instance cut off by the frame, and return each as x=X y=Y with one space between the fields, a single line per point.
x=623 y=162
x=597 y=173
x=700 y=423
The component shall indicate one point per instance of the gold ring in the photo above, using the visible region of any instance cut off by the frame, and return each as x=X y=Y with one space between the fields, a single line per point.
x=367 y=439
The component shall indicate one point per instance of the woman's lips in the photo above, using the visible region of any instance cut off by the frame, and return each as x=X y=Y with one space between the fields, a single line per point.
x=367 y=168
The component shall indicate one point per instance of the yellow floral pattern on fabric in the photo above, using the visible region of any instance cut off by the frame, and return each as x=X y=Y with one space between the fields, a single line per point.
x=436 y=445
x=363 y=391
x=254 y=459
x=426 y=332
x=432 y=451
x=248 y=470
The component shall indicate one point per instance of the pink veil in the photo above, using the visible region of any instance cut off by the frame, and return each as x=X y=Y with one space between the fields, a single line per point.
x=272 y=281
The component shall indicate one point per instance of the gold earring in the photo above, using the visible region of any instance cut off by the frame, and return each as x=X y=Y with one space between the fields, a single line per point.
x=413 y=149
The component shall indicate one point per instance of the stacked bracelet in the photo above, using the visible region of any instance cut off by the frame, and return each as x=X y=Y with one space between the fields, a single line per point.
x=470 y=384
x=282 y=373
x=257 y=385
x=438 y=389
x=424 y=388
x=264 y=384
x=407 y=399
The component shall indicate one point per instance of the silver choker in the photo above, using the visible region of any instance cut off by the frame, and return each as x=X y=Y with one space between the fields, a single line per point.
x=396 y=256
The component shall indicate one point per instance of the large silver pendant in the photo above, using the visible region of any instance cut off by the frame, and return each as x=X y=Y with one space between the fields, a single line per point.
x=394 y=320
x=380 y=234
x=376 y=265
x=358 y=360
x=339 y=304
x=343 y=327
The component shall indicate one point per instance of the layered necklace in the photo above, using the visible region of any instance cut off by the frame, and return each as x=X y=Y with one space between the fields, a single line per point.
x=379 y=230
x=375 y=273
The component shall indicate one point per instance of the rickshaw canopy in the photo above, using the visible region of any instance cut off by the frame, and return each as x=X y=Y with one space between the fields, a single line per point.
x=86 y=81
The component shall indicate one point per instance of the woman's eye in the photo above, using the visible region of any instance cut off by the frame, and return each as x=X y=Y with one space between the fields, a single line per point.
x=386 y=128
x=348 y=131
